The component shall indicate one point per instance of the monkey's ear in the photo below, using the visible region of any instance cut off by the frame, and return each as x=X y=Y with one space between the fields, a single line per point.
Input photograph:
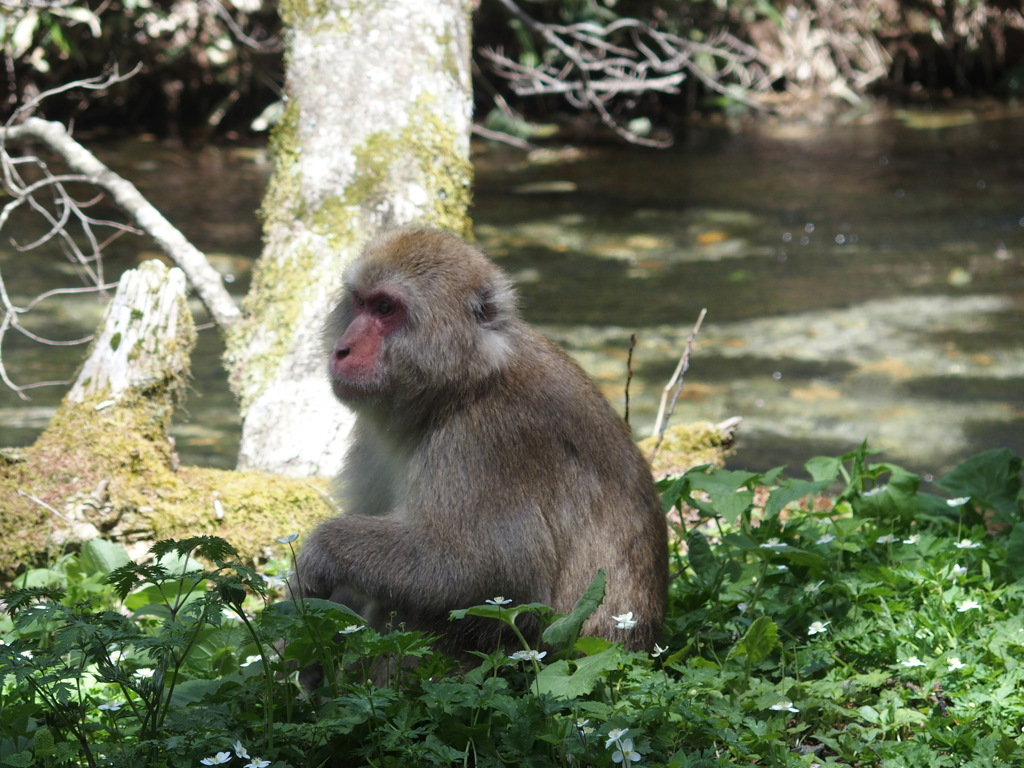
x=485 y=308
x=494 y=302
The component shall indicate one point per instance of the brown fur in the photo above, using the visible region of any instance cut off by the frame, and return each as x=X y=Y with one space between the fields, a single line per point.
x=485 y=462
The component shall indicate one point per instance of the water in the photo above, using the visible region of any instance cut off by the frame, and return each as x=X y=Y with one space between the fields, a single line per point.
x=862 y=281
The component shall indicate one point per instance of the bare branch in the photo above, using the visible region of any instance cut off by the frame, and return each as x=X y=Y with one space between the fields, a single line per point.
x=96 y=83
x=203 y=277
x=675 y=386
x=590 y=65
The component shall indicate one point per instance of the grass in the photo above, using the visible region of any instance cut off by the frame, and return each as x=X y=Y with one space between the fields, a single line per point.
x=847 y=618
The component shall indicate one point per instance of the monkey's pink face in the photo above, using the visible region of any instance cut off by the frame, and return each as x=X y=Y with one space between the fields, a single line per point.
x=355 y=366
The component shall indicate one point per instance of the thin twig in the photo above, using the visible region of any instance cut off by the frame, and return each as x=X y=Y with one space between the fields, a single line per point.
x=675 y=386
x=629 y=370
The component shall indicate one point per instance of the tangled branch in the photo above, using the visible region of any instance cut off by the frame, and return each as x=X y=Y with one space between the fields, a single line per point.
x=30 y=184
x=590 y=65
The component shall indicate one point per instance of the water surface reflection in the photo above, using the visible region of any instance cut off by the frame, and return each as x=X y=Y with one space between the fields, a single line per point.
x=862 y=281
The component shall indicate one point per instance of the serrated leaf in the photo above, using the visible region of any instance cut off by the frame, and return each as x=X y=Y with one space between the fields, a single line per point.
x=557 y=680
x=758 y=641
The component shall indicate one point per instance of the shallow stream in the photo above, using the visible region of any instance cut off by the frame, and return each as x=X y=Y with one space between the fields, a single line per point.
x=863 y=281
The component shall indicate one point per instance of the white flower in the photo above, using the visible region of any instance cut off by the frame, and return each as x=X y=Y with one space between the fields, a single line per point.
x=241 y=751
x=784 y=706
x=275 y=582
x=219 y=759
x=825 y=539
x=915 y=539
x=813 y=589
x=913 y=661
x=528 y=655
x=256 y=763
x=957 y=570
x=875 y=491
x=146 y=673
x=781 y=567
x=624 y=621
x=499 y=600
x=110 y=706
x=658 y=650
x=583 y=726
x=958 y=502
x=966 y=605
x=249 y=660
x=352 y=628
x=887 y=539
x=625 y=754
x=773 y=543
x=953 y=664
x=817 y=627
x=742 y=607
x=615 y=735
x=966 y=544
x=288 y=539
x=27 y=654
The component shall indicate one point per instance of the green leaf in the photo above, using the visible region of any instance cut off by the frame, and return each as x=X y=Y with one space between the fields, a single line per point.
x=758 y=642
x=100 y=556
x=729 y=491
x=563 y=632
x=790 y=491
x=1015 y=553
x=991 y=478
x=557 y=680
x=192 y=692
x=702 y=559
x=824 y=469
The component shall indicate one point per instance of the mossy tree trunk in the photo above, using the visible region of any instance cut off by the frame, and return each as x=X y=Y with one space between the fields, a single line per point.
x=375 y=134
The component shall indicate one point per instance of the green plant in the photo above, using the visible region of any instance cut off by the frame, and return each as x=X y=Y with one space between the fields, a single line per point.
x=849 y=618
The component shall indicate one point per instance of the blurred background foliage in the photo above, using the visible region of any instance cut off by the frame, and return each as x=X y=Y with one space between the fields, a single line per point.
x=214 y=68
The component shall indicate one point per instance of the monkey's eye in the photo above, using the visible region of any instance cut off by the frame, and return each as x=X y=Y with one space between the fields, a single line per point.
x=384 y=307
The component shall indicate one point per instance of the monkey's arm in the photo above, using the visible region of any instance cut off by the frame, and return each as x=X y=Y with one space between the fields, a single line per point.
x=421 y=567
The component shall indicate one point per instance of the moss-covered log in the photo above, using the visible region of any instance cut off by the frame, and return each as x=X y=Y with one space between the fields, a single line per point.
x=105 y=465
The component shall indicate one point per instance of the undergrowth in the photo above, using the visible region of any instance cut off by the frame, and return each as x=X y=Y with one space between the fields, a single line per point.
x=852 y=618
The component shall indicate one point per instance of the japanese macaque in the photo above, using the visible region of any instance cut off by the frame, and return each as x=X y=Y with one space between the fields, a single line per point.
x=484 y=461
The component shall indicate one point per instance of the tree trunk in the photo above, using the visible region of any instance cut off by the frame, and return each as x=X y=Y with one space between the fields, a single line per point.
x=144 y=343
x=111 y=426
x=376 y=134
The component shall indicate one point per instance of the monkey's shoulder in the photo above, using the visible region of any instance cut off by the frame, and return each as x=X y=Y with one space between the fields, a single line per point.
x=542 y=408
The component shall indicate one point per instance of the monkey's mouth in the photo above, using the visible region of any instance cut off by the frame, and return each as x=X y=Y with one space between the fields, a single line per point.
x=348 y=389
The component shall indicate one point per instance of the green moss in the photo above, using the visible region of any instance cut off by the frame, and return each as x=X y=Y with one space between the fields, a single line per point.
x=124 y=452
x=274 y=303
x=115 y=341
x=448 y=173
x=283 y=198
x=689 y=445
x=337 y=220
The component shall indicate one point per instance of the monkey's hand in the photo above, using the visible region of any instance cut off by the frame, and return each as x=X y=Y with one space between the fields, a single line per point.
x=315 y=573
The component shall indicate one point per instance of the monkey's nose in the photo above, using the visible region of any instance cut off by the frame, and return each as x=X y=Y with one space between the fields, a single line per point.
x=341 y=351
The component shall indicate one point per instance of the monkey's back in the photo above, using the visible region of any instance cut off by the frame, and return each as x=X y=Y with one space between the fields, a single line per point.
x=588 y=501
